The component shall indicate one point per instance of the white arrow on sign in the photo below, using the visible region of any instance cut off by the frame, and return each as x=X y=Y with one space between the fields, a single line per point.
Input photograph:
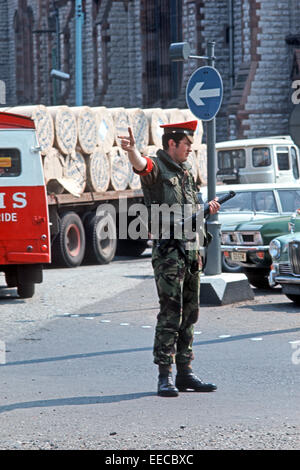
x=196 y=94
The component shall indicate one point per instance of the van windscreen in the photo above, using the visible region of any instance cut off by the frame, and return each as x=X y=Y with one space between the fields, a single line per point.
x=10 y=162
x=261 y=156
x=233 y=158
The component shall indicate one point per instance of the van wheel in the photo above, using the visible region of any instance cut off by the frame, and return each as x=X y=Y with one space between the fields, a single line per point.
x=11 y=278
x=101 y=242
x=26 y=290
x=69 y=244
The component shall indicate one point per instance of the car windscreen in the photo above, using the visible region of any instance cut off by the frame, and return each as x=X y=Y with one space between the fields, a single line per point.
x=264 y=201
x=240 y=202
x=10 y=162
x=253 y=201
x=290 y=199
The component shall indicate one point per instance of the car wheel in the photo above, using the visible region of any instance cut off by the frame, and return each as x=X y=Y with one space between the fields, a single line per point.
x=258 y=277
x=230 y=267
x=294 y=298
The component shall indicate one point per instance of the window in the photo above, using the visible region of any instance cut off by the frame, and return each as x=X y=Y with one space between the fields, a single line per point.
x=282 y=154
x=10 y=162
x=161 y=23
x=261 y=157
x=290 y=199
x=228 y=159
x=295 y=166
x=264 y=201
x=23 y=26
x=240 y=202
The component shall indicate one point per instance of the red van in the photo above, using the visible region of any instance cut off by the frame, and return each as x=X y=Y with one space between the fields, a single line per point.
x=24 y=221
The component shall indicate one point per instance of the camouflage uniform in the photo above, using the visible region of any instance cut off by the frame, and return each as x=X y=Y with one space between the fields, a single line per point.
x=176 y=269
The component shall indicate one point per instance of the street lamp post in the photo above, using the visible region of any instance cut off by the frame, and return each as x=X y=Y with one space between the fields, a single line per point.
x=78 y=53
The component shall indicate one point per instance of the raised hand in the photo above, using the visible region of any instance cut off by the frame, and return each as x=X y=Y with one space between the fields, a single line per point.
x=128 y=141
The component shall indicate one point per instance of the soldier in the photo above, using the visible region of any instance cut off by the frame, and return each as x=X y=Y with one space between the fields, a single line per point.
x=166 y=179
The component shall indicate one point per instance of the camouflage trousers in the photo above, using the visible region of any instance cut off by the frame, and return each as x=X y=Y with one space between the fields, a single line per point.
x=177 y=280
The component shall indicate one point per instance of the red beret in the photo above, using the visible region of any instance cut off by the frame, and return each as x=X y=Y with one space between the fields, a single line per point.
x=188 y=128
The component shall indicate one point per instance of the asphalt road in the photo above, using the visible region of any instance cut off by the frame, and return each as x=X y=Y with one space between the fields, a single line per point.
x=77 y=372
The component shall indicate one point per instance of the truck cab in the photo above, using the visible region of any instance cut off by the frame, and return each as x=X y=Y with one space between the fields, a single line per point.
x=24 y=221
x=261 y=160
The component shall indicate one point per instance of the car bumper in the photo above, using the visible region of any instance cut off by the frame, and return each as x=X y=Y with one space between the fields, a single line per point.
x=276 y=278
x=255 y=256
x=244 y=248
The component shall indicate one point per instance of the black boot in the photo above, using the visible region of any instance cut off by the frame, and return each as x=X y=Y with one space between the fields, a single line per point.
x=166 y=387
x=187 y=380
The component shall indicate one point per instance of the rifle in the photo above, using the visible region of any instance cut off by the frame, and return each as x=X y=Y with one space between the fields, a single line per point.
x=163 y=244
x=206 y=211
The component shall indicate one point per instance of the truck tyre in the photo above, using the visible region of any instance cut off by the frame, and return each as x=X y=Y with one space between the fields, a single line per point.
x=131 y=247
x=295 y=298
x=258 y=277
x=69 y=244
x=101 y=241
x=25 y=290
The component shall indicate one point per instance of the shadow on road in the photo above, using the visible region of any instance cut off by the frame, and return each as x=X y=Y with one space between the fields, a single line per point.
x=146 y=348
x=75 y=401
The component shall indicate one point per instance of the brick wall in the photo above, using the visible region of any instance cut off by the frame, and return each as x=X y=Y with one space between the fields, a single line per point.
x=256 y=99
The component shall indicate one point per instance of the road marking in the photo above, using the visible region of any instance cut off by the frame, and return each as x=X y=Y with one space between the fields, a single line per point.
x=256 y=339
x=224 y=336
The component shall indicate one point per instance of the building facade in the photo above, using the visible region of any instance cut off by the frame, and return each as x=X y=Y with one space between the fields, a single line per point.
x=126 y=63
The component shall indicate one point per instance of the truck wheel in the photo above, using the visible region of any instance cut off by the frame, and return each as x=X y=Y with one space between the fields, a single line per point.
x=26 y=290
x=101 y=242
x=295 y=298
x=229 y=267
x=69 y=244
x=258 y=277
x=131 y=247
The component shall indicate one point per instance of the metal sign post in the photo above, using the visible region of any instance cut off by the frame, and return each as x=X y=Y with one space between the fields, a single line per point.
x=204 y=96
x=213 y=254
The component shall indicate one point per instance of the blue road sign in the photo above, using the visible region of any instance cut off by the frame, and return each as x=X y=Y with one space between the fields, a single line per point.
x=204 y=93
